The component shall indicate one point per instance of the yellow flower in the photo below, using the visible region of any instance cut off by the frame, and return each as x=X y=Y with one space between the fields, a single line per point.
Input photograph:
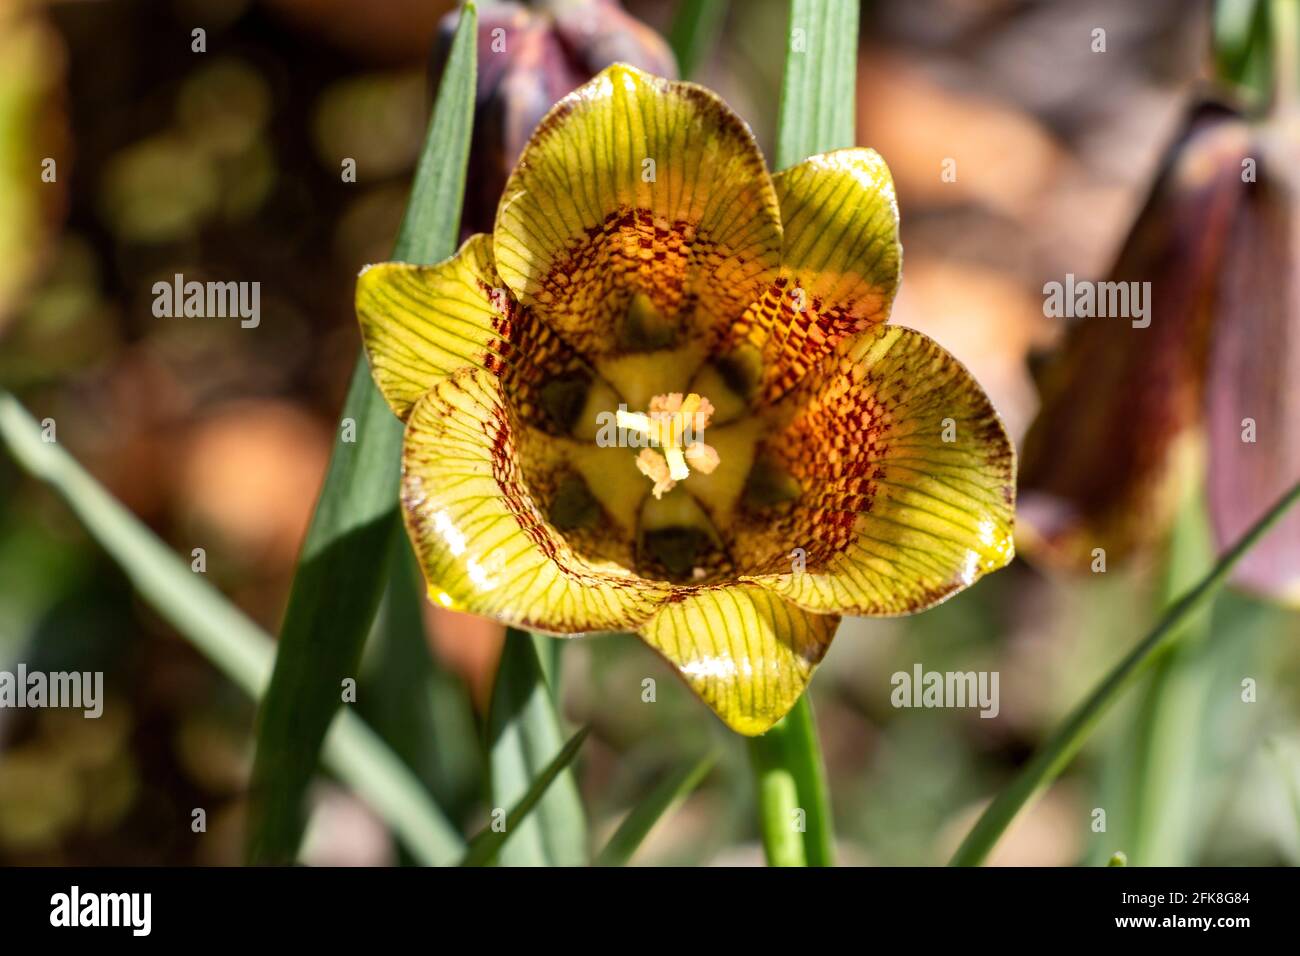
x=650 y=287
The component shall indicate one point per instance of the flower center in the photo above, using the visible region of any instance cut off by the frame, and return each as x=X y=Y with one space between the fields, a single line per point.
x=674 y=428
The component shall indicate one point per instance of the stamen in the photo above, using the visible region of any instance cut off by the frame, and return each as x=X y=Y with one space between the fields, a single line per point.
x=652 y=464
x=633 y=421
x=674 y=425
x=666 y=404
x=677 y=463
x=703 y=458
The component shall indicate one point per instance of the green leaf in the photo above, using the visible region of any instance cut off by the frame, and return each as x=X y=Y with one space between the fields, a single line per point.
x=1166 y=760
x=489 y=842
x=241 y=650
x=361 y=759
x=523 y=737
x=636 y=826
x=1056 y=754
x=694 y=32
x=819 y=89
x=344 y=561
x=419 y=707
x=818 y=93
x=1289 y=770
x=430 y=228
x=1241 y=43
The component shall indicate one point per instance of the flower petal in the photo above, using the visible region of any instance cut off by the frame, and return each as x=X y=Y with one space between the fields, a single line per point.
x=638 y=191
x=906 y=483
x=479 y=527
x=746 y=652
x=1253 y=385
x=420 y=324
x=840 y=266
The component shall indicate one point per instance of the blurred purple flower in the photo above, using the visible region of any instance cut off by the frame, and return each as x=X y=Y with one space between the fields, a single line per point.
x=1132 y=417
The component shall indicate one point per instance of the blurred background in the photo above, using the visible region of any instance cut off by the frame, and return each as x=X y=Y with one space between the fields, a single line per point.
x=225 y=164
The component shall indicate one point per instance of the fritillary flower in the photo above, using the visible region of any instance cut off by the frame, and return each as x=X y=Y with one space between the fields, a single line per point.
x=806 y=460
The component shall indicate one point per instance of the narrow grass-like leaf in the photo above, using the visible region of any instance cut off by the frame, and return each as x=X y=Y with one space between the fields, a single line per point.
x=344 y=560
x=523 y=737
x=1166 y=758
x=818 y=95
x=489 y=841
x=1289 y=770
x=636 y=826
x=222 y=633
x=360 y=758
x=1055 y=755
x=417 y=705
x=1241 y=51
x=694 y=32
x=818 y=91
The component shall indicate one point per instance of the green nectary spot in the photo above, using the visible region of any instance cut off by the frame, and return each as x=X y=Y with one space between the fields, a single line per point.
x=741 y=370
x=563 y=399
x=677 y=549
x=574 y=505
x=645 y=328
x=769 y=486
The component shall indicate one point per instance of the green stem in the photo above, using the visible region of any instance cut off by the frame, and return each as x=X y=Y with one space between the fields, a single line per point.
x=816 y=115
x=778 y=801
x=794 y=811
x=1057 y=753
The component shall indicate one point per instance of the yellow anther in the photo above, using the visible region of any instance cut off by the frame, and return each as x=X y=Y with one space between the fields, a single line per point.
x=652 y=464
x=703 y=458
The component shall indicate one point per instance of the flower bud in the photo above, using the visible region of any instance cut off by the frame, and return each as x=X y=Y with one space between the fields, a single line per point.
x=1253 y=376
x=528 y=59
x=1114 y=445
